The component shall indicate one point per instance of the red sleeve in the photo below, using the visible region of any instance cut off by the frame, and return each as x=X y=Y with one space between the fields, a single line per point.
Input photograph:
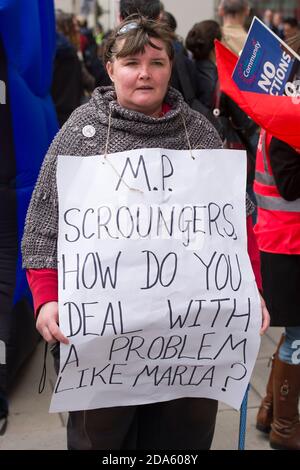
x=43 y=284
x=83 y=42
x=253 y=252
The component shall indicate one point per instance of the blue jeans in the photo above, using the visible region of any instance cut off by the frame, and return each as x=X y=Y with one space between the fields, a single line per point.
x=289 y=351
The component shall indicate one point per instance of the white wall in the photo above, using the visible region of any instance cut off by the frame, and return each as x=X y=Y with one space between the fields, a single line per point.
x=110 y=16
x=110 y=10
x=73 y=6
x=189 y=12
x=69 y=6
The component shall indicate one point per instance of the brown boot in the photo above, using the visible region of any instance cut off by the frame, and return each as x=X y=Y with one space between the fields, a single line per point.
x=265 y=413
x=285 y=433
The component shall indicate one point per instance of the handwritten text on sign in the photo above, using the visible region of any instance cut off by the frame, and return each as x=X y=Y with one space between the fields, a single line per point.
x=156 y=291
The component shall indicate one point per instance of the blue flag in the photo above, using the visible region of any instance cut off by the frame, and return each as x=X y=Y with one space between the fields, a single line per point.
x=266 y=64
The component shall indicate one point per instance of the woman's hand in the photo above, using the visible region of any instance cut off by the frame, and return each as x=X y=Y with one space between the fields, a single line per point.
x=47 y=323
x=265 y=317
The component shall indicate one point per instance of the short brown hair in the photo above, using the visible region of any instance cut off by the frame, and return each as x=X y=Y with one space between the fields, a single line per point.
x=148 y=8
x=200 y=39
x=234 y=7
x=294 y=43
x=137 y=32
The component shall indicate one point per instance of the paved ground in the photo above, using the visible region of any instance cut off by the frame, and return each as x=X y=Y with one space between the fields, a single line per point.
x=32 y=427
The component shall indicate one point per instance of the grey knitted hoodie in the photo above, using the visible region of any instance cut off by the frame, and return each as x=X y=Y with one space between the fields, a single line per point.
x=181 y=128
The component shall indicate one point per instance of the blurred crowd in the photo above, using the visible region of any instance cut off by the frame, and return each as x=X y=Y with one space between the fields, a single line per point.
x=79 y=69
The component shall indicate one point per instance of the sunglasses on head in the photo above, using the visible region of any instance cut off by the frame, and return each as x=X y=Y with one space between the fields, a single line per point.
x=128 y=27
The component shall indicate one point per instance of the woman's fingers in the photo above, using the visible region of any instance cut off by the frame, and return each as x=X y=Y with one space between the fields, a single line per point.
x=265 y=317
x=47 y=324
x=46 y=335
x=265 y=321
x=57 y=333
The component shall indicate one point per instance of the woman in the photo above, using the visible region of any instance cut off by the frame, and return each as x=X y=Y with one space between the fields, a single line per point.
x=277 y=188
x=138 y=112
x=237 y=130
x=200 y=42
x=71 y=79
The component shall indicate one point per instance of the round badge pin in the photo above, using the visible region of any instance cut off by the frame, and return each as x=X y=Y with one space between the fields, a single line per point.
x=89 y=131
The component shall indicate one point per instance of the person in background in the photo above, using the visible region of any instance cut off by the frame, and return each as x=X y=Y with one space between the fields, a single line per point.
x=268 y=18
x=290 y=28
x=139 y=110
x=150 y=9
x=234 y=14
x=238 y=130
x=98 y=33
x=200 y=42
x=248 y=21
x=170 y=20
x=90 y=53
x=83 y=32
x=277 y=188
x=70 y=78
x=277 y=27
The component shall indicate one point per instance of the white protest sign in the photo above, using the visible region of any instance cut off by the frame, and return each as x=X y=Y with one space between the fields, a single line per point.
x=156 y=290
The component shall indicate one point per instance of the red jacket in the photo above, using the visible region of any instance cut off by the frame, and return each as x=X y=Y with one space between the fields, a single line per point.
x=278 y=220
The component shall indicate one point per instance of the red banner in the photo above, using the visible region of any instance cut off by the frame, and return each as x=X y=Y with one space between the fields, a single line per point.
x=280 y=115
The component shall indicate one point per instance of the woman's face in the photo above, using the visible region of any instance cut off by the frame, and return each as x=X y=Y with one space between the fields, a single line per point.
x=141 y=80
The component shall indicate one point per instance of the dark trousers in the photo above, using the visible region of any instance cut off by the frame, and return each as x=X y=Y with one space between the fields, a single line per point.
x=186 y=423
x=280 y=276
x=182 y=424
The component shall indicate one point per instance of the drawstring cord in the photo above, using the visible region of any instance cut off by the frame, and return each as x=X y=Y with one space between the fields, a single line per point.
x=187 y=136
x=112 y=166
x=188 y=139
x=108 y=133
x=44 y=371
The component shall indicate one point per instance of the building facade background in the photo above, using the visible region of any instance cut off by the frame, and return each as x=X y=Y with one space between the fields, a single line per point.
x=286 y=7
x=186 y=12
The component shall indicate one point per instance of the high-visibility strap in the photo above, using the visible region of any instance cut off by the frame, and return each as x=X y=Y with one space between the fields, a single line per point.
x=271 y=202
x=277 y=203
x=264 y=151
x=265 y=190
x=265 y=178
